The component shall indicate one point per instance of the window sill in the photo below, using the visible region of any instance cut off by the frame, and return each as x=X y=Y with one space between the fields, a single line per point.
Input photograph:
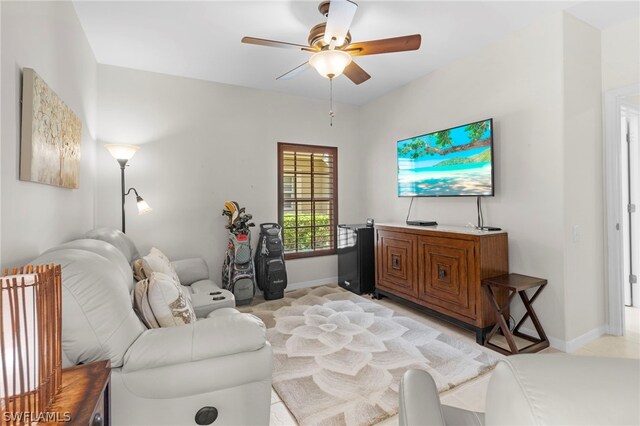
x=306 y=255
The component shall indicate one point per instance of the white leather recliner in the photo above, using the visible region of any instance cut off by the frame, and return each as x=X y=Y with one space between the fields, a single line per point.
x=537 y=389
x=159 y=376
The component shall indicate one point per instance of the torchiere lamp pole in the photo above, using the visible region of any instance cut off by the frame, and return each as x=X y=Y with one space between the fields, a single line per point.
x=123 y=163
x=123 y=153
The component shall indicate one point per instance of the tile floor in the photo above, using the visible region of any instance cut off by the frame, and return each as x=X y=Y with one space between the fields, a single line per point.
x=627 y=346
x=471 y=395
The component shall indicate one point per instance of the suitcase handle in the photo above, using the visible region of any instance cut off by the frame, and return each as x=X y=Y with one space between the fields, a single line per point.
x=269 y=226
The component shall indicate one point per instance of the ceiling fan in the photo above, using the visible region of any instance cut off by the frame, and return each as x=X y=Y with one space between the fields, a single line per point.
x=330 y=43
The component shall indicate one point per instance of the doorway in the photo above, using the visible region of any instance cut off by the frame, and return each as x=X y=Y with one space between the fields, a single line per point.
x=622 y=189
x=629 y=139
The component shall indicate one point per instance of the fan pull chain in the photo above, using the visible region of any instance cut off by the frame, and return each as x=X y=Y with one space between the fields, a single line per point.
x=331 y=113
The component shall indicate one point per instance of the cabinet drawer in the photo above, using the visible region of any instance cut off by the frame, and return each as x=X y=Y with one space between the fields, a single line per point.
x=396 y=262
x=446 y=274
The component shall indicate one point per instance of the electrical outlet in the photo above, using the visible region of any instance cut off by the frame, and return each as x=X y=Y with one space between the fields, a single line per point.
x=576 y=233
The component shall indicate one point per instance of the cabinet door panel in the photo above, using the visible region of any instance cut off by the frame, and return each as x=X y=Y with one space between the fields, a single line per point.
x=446 y=274
x=396 y=262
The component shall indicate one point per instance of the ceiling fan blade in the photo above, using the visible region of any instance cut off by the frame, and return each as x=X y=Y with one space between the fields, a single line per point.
x=294 y=72
x=355 y=73
x=280 y=44
x=387 y=45
x=341 y=13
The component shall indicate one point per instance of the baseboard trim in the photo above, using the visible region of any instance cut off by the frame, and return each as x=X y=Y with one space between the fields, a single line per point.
x=574 y=344
x=589 y=336
x=307 y=284
x=614 y=330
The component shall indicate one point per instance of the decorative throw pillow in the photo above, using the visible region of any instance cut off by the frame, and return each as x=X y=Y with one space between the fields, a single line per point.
x=156 y=261
x=167 y=300
x=141 y=304
x=138 y=272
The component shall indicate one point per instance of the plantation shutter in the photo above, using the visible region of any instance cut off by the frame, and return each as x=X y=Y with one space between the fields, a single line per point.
x=308 y=199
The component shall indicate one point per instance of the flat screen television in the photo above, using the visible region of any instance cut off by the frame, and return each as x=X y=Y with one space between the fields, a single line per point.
x=455 y=162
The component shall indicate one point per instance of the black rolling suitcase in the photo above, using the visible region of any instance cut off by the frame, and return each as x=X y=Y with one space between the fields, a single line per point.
x=271 y=272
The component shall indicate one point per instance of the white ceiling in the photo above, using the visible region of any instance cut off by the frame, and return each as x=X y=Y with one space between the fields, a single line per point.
x=202 y=39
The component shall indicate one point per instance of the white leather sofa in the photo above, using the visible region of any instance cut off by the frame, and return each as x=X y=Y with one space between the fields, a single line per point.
x=159 y=376
x=538 y=389
x=193 y=273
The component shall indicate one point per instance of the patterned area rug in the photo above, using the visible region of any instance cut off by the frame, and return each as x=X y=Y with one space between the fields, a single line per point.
x=338 y=357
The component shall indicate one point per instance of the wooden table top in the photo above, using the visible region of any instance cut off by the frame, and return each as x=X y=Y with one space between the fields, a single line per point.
x=82 y=387
x=515 y=282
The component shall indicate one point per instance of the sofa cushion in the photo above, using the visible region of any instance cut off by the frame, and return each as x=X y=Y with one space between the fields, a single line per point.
x=117 y=239
x=98 y=321
x=191 y=270
x=104 y=249
x=156 y=261
x=167 y=301
x=141 y=304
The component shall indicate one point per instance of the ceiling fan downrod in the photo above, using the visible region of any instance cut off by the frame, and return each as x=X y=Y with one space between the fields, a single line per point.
x=331 y=113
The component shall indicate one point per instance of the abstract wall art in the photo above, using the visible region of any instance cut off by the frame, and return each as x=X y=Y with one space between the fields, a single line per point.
x=51 y=136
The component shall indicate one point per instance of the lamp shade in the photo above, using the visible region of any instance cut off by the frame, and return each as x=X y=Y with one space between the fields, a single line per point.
x=122 y=151
x=30 y=341
x=143 y=207
x=330 y=63
x=19 y=335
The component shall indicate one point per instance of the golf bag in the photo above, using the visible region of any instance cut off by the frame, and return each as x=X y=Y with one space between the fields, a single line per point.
x=237 y=270
x=271 y=273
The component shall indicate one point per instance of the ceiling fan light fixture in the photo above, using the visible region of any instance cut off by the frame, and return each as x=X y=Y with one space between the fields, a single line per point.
x=330 y=63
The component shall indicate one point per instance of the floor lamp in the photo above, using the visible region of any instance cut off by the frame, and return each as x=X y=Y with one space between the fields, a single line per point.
x=123 y=153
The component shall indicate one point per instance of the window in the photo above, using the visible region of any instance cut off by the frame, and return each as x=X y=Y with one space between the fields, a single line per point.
x=308 y=199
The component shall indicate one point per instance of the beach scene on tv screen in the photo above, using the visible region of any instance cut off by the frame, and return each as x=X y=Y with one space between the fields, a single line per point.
x=447 y=163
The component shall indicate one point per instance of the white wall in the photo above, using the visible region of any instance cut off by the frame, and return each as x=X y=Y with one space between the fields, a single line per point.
x=204 y=143
x=621 y=55
x=584 y=278
x=47 y=37
x=542 y=86
x=518 y=82
x=0 y=134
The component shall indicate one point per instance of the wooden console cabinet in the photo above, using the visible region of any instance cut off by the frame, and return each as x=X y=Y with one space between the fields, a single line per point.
x=439 y=270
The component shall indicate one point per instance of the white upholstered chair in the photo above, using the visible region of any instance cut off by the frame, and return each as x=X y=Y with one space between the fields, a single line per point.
x=538 y=389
